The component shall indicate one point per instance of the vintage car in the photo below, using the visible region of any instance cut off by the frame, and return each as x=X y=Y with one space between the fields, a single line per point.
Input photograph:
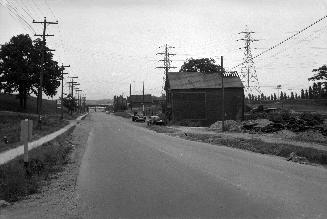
x=155 y=120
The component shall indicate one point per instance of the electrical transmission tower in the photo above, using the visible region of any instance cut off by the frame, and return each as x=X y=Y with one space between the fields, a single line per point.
x=166 y=60
x=248 y=73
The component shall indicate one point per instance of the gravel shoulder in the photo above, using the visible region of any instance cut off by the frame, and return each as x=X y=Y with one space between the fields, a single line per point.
x=58 y=198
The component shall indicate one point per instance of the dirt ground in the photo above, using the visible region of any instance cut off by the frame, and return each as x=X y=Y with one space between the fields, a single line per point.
x=282 y=137
x=57 y=198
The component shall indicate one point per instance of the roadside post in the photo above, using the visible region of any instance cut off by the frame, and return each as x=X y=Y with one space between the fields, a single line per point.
x=26 y=128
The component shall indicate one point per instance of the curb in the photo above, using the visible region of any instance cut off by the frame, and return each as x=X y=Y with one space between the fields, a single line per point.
x=11 y=154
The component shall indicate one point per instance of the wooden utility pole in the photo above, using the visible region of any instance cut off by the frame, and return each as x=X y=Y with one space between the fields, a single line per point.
x=143 y=98
x=72 y=83
x=222 y=93
x=130 y=96
x=39 y=100
x=78 y=99
x=62 y=88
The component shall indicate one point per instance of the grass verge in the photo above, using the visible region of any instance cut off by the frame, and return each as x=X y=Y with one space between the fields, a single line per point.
x=45 y=161
x=10 y=127
x=282 y=150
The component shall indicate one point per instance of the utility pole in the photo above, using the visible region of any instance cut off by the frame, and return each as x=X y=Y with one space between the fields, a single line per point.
x=143 y=98
x=166 y=61
x=84 y=100
x=222 y=71
x=72 y=83
x=78 y=99
x=39 y=98
x=130 y=96
x=62 y=88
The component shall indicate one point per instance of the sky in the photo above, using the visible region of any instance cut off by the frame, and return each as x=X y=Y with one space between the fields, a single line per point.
x=111 y=44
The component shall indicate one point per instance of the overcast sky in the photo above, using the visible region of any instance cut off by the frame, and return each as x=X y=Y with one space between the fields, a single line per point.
x=112 y=43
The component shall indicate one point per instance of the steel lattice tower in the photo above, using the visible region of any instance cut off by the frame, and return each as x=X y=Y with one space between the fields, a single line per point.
x=248 y=73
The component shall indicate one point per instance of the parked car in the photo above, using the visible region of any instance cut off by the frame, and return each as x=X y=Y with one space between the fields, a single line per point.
x=155 y=120
x=138 y=118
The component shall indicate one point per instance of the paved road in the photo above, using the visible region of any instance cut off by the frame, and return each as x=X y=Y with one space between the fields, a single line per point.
x=131 y=172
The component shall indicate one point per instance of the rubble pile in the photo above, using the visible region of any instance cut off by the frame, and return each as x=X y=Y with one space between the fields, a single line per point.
x=230 y=125
x=287 y=121
x=298 y=159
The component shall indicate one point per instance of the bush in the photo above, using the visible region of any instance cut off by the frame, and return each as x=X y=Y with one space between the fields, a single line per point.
x=312 y=119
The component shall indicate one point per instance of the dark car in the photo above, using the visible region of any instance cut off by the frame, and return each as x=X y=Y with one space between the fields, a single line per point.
x=155 y=120
x=138 y=118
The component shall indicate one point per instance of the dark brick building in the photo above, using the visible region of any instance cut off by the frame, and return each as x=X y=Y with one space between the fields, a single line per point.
x=197 y=96
x=137 y=100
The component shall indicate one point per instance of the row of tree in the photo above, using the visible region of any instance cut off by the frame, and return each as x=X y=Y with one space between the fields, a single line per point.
x=316 y=91
x=21 y=65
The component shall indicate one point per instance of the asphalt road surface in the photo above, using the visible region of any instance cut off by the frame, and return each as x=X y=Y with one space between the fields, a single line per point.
x=131 y=172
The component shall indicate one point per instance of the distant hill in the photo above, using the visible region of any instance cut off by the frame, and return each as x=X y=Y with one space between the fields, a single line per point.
x=102 y=101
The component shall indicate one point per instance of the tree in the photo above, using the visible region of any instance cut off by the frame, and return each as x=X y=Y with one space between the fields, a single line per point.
x=310 y=93
x=200 y=65
x=21 y=65
x=275 y=96
x=70 y=103
x=306 y=95
x=321 y=74
x=292 y=96
x=302 y=94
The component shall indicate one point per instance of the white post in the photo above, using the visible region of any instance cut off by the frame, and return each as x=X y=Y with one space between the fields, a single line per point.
x=30 y=129
x=24 y=134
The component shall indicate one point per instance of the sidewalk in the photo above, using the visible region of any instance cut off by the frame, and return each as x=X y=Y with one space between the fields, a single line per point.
x=15 y=152
x=248 y=136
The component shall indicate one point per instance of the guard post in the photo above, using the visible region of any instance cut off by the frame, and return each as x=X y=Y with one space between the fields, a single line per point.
x=26 y=129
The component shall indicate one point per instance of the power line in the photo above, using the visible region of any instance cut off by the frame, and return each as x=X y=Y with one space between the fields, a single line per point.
x=14 y=12
x=287 y=39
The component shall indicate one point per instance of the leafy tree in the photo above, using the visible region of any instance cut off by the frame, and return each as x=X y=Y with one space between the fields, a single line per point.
x=306 y=95
x=21 y=65
x=281 y=95
x=70 y=103
x=200 y=65
x=310 y=93
x=321 y=74
x=292 y=95
x=302 y=94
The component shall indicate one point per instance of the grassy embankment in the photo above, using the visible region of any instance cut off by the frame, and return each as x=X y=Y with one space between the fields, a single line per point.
x=257 y=146
x=17 y=183
x=10 y=121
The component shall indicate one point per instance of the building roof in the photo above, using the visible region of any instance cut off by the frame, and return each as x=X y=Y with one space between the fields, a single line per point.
x=139 y=98
x=191 y=80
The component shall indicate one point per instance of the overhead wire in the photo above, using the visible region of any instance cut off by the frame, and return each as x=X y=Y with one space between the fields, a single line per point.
x=13 y=11
x=285 y=40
